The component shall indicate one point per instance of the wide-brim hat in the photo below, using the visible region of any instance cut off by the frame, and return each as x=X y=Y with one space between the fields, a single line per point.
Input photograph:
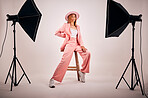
x=71 y=12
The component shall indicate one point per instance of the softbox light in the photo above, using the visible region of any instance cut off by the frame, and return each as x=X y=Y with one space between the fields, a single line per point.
x=29 y=18
x=117 y=19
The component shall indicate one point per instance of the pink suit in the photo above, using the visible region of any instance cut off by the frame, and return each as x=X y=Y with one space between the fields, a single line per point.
x=70 y=45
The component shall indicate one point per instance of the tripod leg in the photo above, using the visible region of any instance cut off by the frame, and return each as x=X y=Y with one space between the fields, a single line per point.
x=15 y=79
x=132 y=88
x=9 y=71
x=12 y=78
x=138 y=77
x=123 y=73
x=23 y=71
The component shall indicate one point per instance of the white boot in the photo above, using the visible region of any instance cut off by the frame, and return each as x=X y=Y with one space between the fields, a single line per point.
x=82 y=76
x=51 y=83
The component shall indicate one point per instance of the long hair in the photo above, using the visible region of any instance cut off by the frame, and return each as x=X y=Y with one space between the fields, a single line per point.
x=74 y=21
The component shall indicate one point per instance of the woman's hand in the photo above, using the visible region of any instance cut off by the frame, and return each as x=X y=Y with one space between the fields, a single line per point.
x=62 y=50
x=83 y=48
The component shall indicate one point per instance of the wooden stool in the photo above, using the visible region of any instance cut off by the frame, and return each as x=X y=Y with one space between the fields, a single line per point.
x=75 y=68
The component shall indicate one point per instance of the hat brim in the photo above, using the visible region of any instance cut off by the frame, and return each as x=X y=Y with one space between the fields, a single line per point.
x=71 y=12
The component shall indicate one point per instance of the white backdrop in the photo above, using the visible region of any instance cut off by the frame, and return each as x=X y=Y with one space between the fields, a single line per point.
x=109 y=57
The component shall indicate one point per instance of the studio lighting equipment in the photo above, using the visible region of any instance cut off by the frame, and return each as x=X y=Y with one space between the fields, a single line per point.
x=117 y=20
x=29 y=18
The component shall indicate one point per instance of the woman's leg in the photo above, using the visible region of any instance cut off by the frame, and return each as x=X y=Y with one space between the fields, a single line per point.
x=86 y=59
x=63 y=65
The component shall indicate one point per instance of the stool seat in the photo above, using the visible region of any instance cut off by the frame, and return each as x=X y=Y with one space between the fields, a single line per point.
x=75 y=68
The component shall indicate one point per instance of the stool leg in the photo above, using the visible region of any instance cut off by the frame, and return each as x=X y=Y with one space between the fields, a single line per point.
x=77 y=65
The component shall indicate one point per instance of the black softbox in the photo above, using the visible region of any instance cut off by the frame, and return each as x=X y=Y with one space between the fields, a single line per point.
x=117 y=19
x=28 y=17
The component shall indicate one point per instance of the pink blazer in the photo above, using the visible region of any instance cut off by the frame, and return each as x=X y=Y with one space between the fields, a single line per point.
x=65 y=32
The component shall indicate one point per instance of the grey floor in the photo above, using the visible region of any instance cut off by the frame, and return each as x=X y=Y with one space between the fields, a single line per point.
x=95 y=87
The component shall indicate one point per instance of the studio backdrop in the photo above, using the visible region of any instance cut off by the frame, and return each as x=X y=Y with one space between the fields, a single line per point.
x=40 y=58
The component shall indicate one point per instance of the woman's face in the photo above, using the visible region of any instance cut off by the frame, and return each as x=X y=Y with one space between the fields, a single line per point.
x=72 y=18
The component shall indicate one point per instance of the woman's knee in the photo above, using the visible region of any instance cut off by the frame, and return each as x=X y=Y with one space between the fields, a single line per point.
x=88 y=52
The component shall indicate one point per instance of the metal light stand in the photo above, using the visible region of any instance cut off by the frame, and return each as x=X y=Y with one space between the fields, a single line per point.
x=134 y=68
x=13 y=65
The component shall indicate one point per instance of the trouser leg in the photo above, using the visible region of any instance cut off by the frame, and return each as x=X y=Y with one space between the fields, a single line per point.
x=86 y=59
x=63 y=65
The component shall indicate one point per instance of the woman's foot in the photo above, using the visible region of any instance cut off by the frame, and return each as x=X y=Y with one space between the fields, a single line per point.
x=82 y=76
x=51 y=83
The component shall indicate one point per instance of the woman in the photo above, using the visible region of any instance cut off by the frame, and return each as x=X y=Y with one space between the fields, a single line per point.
x=73 y=42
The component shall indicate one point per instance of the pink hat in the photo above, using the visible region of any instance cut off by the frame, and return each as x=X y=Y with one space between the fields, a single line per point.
x=71 y=12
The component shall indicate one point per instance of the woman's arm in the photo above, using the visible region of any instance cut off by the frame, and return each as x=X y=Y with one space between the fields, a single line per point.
x=60 y=31
x=80 y=38
x=81 y=42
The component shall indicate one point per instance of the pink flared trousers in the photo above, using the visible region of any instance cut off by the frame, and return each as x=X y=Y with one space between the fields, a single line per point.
x=70 y=47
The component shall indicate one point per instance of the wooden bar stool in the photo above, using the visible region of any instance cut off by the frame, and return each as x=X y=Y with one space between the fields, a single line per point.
x=75 y=68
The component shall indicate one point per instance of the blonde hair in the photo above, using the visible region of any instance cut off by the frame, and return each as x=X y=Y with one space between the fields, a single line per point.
x=75 y=20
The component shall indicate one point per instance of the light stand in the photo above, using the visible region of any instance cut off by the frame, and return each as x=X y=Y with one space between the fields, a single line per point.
x=13 y=65
x=134 y=68
x=116 y=21
x=29 y=18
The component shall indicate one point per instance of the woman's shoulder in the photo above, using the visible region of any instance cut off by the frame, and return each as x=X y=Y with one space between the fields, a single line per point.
x=77 y=25
x=65 y=24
